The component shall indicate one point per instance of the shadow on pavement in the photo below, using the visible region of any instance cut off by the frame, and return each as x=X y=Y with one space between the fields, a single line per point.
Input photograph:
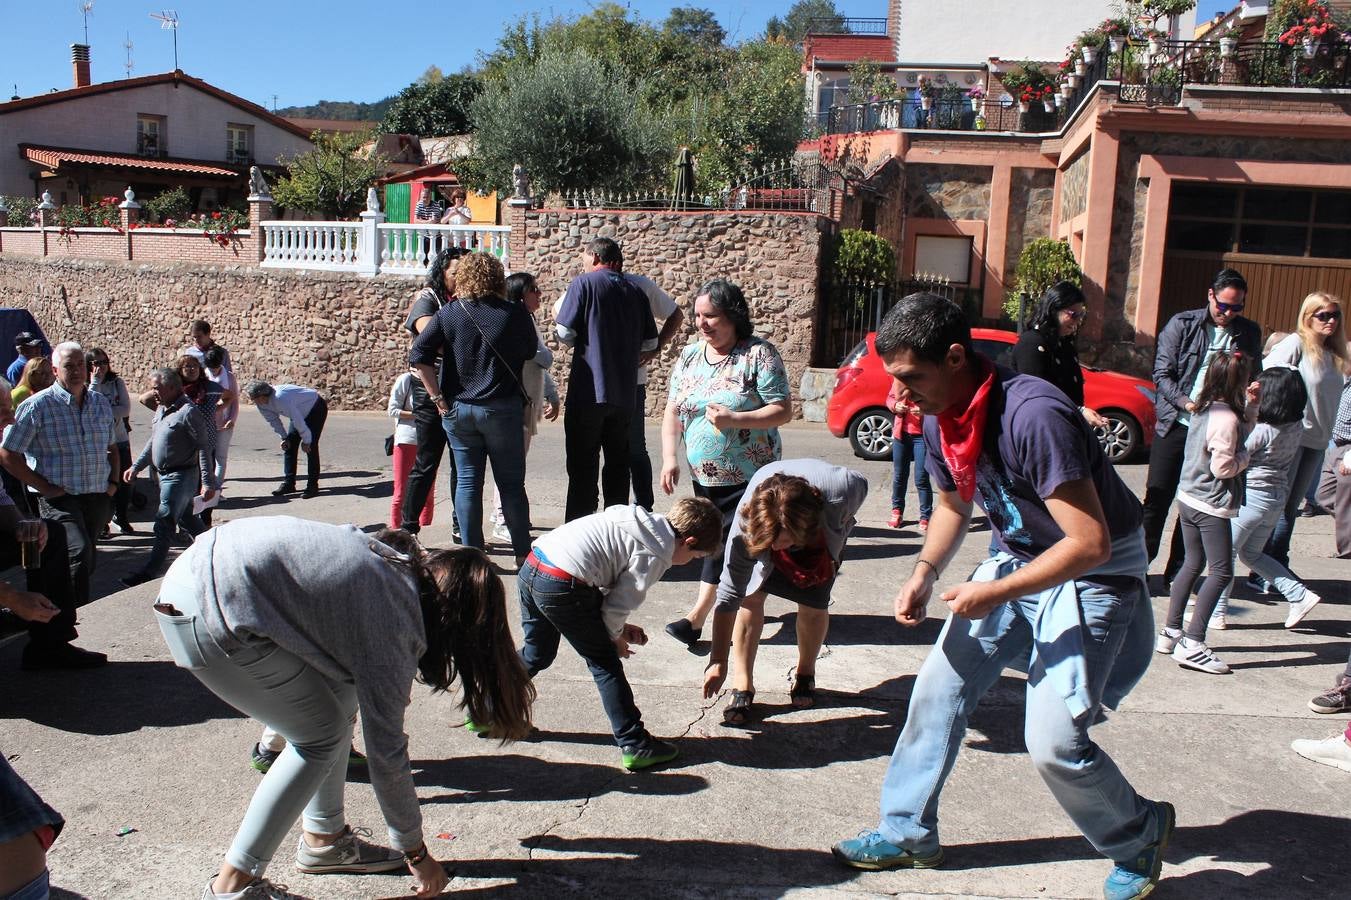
x=863 y=630
x=129 y=696
x=517 y=778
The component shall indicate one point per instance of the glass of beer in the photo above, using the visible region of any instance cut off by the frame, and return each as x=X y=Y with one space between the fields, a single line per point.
x=29 y=533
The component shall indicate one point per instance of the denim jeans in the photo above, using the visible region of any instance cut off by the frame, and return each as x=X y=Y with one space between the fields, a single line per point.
x=312 y=711
x=176 y=490
x=1304 y=469
x=1256 y=520
x=492 y=431
x=553 y=607
x=964 y=663
x=906 y=449
x=640 y=464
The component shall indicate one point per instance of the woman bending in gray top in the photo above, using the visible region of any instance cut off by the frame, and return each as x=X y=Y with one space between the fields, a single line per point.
x=298 y=624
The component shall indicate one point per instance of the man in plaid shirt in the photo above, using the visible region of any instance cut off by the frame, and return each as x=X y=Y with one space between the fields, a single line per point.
x=67 y=431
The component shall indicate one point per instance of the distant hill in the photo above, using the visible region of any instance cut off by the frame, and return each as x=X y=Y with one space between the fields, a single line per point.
x=339 y=109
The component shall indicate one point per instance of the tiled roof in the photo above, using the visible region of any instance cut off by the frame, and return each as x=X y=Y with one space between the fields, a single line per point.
x=53 y=157
x=852 y=47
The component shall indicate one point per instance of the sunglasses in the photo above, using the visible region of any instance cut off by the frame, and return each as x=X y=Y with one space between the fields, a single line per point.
x=1076 y=314
x=1328 y=315
x=100 y=362
x=1223 y=308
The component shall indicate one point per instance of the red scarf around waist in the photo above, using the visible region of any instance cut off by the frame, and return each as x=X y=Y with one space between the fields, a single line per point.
x=961 y=433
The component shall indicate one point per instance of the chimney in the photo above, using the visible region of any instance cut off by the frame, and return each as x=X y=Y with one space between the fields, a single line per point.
x=79 y=61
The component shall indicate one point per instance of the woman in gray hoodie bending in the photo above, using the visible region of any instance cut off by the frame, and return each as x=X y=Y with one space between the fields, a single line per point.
x=298 y=624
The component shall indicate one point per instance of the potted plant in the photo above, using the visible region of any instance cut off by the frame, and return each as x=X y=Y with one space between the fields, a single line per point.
x=1310 y=21
x=926 y=92
x=1048 y=96
x=1088 y=43
x=1115 y=32
x=976 y=95
x=1154 y=40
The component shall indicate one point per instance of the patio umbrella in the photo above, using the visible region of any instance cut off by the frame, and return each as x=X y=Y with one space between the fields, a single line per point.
x=683 y=191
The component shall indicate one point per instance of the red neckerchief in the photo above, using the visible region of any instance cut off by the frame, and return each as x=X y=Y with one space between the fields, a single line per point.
x=962 y=434
x=806 y=567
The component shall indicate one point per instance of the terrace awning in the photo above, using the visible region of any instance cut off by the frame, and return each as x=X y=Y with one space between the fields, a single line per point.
x=55 y=158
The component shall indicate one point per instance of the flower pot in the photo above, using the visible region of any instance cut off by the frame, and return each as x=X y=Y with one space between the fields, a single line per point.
x=1227 y=46
x=1080 y=67
x=1060 y=100
x=1023 y=106
x=1310 y=47
x=1155 y=46
x=1066 y=90
x=926 y=102
x=1090 y=54
x=975 y=104
x=1115 y=44
x=1049 y=105
x=1073 y=80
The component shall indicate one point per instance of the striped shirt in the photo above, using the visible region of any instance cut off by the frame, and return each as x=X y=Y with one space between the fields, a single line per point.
x=66 y=443
x=1341 y=429
x=429 y=211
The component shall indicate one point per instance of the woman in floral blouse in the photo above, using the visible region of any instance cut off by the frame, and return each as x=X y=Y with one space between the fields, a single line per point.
x=728 y=397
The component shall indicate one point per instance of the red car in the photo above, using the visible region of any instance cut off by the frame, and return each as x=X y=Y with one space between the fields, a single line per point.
x=858 y=407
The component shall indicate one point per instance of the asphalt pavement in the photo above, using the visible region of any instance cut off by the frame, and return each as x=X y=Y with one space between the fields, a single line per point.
x=744 y=812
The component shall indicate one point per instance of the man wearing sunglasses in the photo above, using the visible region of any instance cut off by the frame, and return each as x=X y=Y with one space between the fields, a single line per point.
x=1183 y=352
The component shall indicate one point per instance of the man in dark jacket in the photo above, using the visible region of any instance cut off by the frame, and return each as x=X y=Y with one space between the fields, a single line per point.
x=1184 y=349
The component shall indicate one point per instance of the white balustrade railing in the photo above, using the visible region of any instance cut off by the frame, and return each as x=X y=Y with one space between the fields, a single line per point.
x=372 y=246
x=333 y=246
x=409 y=249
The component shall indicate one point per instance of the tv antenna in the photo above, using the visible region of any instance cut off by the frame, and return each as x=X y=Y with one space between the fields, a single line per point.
x=127 y=45
x=168 y=19
x=86 y=10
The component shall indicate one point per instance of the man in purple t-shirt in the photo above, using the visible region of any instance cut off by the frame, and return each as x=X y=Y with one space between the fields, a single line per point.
x=1065 y=594
x=608 y=322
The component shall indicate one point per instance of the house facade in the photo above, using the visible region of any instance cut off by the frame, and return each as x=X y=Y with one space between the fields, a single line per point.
x=149 y=133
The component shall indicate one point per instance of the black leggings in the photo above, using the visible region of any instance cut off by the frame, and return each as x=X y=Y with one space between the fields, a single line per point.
x=1204 y=537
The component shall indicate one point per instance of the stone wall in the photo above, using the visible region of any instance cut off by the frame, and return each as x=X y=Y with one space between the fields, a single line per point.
x=947 y=192
x=1031 y=193
x=1074 y=188
x=774 y=257
x=338 y=333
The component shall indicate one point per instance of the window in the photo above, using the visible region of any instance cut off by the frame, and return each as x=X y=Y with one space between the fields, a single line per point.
x=238 y=144
x=948 y=257
x=150 y=137
x=1269 y=220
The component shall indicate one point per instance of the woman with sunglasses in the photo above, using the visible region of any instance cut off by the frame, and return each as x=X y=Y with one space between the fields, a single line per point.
x=1048 y=348
x=1318 y=350
x=103 y=379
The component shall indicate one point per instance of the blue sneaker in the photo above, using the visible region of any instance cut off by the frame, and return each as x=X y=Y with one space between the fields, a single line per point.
x=872 y=851
x=1141 y=876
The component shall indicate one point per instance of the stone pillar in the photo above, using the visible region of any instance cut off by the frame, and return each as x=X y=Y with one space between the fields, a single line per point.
x=260 y=211
x=45 y=210
x=518 y=211
x=130 y=212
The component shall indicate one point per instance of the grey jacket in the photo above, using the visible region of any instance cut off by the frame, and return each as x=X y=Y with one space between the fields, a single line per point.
x=181 y=435
x=1178 y=355
x=844 y=491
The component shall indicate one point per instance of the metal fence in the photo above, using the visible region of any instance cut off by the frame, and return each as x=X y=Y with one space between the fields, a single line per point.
x=785 y=187
x=850 y=310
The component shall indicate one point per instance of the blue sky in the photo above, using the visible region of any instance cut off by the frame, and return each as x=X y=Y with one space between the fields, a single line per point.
x=303 y=51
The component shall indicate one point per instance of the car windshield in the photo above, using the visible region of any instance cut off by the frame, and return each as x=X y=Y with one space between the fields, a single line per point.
x=998 y=351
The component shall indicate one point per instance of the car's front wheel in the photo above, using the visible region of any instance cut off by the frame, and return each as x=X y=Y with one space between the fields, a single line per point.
x=870 y=434
x=1122 y=437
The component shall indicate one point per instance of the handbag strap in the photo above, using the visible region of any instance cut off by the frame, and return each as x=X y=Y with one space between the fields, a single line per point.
x=514 y=377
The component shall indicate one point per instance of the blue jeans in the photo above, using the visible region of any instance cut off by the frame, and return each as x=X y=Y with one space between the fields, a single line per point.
x=37 y=889
x=1305 y=468
x=176 y=490
x=312 y=711
x=553 y=607
x=640 y=464
x=906 y=449
x=966 y=661
x=1256 y=519
x=492 y=431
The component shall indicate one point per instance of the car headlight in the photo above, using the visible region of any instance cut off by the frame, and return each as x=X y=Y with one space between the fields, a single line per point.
x=1150 y=394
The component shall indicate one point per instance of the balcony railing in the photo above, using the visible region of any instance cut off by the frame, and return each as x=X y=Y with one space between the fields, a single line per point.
x=846 y=25
x=1152 y=73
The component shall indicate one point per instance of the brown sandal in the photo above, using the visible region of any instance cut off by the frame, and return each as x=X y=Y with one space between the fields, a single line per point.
x=803 y=693
x=738 y=712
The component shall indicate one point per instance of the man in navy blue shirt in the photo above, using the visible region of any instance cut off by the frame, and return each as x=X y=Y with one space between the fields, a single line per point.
x=608 y=322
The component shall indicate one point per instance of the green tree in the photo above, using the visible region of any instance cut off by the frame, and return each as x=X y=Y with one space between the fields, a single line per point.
x=1043 y=262
x=431 y=75
x=438 y=107
x=815 y=16
x=573 y=124
x=867 y=83
x=756 y=120
x=695 y=24
x=331 y=179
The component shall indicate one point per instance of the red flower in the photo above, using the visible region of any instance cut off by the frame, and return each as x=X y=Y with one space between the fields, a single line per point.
x=215 y=215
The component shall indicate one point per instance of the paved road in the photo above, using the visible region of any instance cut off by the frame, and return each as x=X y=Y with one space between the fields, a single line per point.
x=746 y=813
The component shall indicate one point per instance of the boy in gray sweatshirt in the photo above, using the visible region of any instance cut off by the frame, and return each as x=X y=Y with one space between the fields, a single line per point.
x=582 y=580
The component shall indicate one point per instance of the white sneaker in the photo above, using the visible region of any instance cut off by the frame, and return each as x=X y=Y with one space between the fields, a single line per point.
x=1167 y=640
x=262 y=889
x=1218 y=622
x=501 y=533
x=1333 y=751
x=1196 y=655
x=1301 y=609
x=348 y=853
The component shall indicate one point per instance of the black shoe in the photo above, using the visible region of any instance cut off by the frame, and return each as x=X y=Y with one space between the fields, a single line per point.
x=131 y=579
x=1312 y=509
x=288 y=487
x=60 y=656
x=311 y=490
x=125 y=527
x=685 y=632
